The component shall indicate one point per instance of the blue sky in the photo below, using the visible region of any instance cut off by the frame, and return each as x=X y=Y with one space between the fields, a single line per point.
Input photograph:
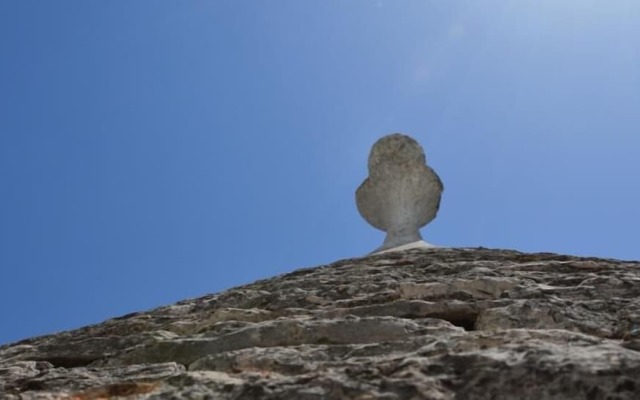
x=156 y=151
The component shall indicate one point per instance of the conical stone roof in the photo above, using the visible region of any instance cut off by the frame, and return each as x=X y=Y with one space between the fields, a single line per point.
x=414 y=324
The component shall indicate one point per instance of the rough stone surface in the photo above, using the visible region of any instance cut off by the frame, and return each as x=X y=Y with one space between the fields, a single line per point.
x=401 y=193
x=416 y=324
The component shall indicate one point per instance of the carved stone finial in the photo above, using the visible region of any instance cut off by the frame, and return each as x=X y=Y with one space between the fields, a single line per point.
x=401 y=193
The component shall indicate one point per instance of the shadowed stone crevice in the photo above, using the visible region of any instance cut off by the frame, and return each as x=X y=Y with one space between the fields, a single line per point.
x=69 y=361
x=464 y=319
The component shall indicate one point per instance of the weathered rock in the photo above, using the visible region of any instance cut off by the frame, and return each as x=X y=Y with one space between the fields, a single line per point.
x=415 y=324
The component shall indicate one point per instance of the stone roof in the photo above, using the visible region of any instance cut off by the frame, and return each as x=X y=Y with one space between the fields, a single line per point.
x=413 y=324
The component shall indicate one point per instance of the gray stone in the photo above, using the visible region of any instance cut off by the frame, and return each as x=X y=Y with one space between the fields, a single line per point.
x=401 y=193
x=415 y=324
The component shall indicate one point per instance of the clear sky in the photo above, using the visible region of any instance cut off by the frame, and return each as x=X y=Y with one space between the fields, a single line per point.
x=152 y=151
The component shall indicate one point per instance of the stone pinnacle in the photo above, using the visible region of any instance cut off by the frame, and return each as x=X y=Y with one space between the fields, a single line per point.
x=401 y=193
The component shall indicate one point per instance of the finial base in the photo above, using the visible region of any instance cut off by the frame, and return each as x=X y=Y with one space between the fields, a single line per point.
x=420 y=244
